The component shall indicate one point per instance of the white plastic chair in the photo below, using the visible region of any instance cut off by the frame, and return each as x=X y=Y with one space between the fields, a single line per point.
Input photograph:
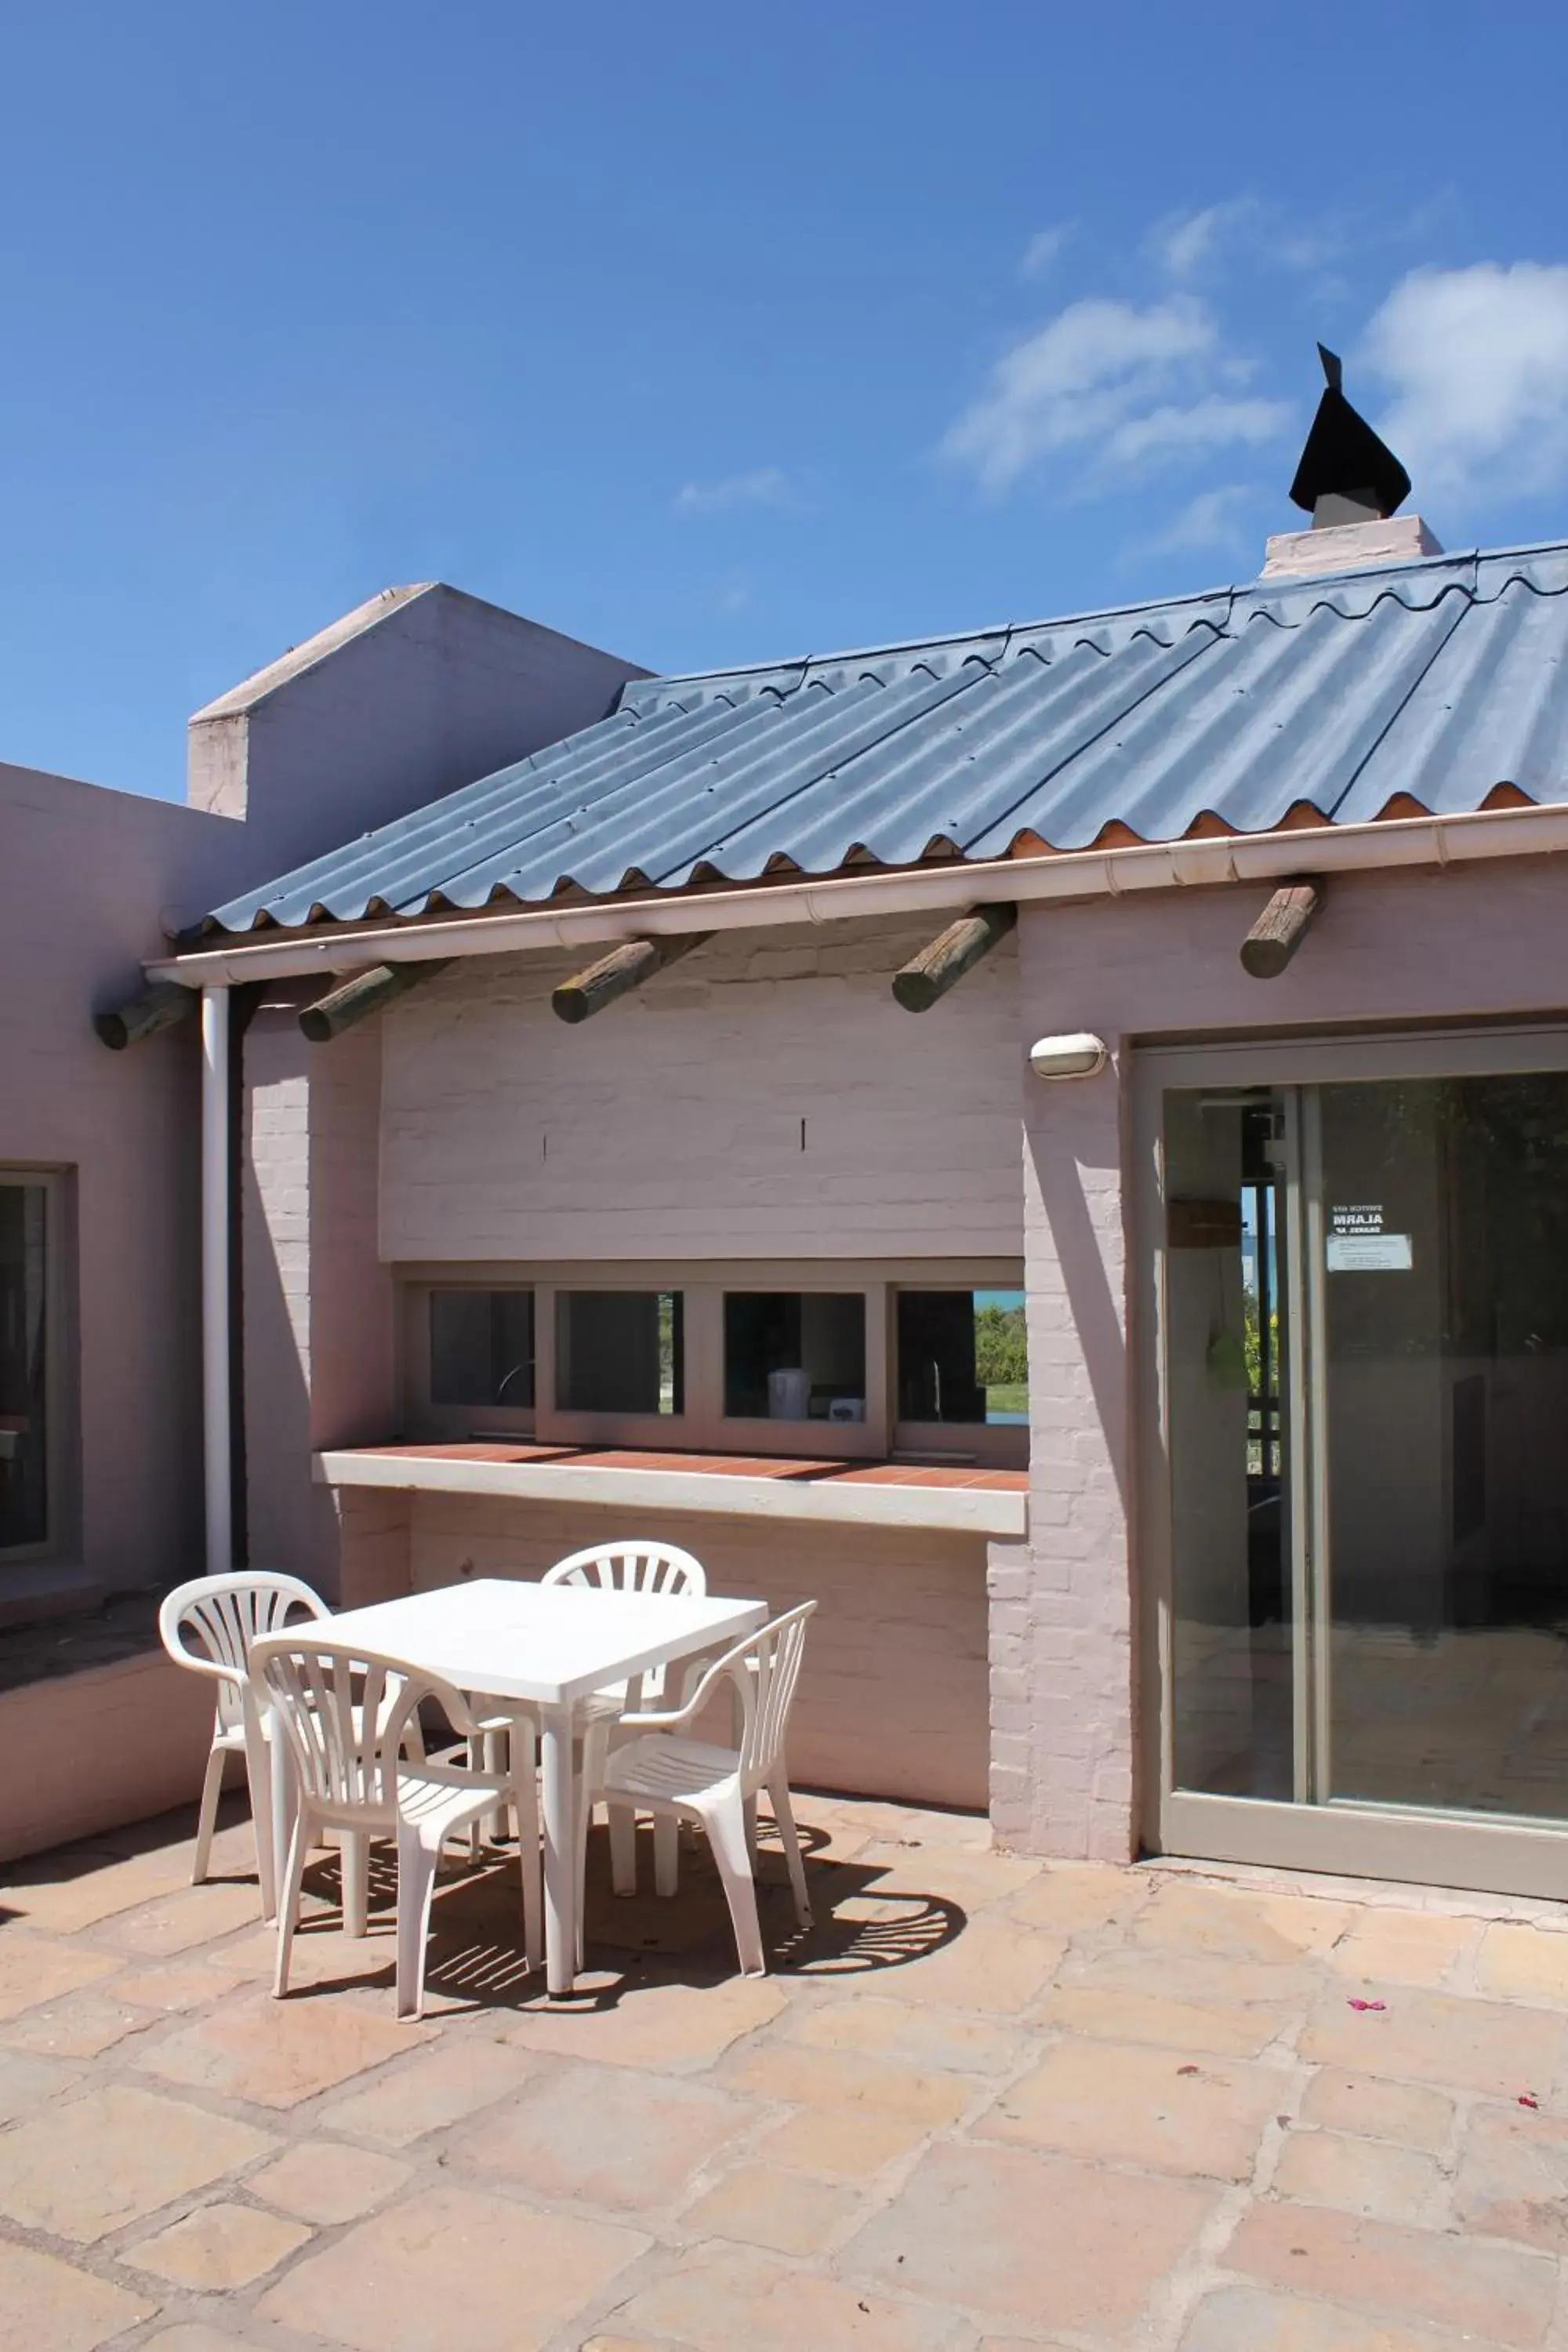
x=637 y=1564
x=662 y=1772
x=228 y=1614
x=345 y=1717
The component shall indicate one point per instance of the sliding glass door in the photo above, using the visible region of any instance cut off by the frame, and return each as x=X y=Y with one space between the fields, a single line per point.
x=1356 y=1455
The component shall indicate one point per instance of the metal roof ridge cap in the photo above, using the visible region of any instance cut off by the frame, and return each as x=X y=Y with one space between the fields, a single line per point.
x=1232 y=590
x=1006 y=630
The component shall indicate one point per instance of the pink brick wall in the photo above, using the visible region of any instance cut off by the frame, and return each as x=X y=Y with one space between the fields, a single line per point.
x=318 y=1336
x=892 y=1697
x=1066 y=1773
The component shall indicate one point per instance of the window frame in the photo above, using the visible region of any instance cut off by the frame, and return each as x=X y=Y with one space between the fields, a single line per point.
x=653 y=1431
x=704 y=1427
x=844 y=1441
x=454 y=1423
x=59 y=1417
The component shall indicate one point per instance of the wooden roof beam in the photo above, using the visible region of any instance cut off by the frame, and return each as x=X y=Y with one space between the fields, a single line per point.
x=142 y=1015
x=1281 y=928
x=918 y=984
x=617 y=973
x=368 y=991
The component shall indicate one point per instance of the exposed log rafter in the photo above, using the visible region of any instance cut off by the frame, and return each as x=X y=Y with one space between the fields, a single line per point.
x=142 y=1015
x=1281 y=928
x=368 y=991
x=617 y=973
x=940 y=966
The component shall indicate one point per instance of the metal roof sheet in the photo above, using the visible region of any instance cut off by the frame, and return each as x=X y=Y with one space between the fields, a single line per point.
x=1425 y=687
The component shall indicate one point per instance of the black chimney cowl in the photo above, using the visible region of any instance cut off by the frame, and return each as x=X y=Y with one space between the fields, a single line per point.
x=1346 y=472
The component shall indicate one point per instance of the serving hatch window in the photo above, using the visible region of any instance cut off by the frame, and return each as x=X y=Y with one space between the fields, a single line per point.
x=481 y=1349
x=794 y=1355
x=962 y=1357
x=620 y=1351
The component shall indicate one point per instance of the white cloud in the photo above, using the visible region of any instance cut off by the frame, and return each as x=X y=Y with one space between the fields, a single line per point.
x=1042 y=250
x=1186 y=245
x=1128 y=388
x=1183 y=242
x=1210 y=423
x=1211 y=519
x=1478 y=360
x=767 y=486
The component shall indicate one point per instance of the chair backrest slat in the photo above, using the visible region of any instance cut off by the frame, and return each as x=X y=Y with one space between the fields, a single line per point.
x=331 y=1700
x=226 y=1615
x=773 y=1657
x=634 y=1565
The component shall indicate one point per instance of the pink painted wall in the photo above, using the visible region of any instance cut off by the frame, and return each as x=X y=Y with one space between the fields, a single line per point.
x=89 y=1752
x=416 y=691
x=672 y=1123
x=1414 y=946
x=84 y=875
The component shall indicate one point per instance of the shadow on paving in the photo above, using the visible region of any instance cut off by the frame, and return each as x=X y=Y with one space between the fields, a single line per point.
x=157 y=1836
x=476 y=1934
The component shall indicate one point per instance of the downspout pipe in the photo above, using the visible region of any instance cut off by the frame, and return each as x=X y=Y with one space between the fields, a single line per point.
x=1385 y=844
x=217 y=1397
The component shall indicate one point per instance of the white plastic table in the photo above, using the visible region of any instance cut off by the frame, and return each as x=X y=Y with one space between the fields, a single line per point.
x=553 y=1645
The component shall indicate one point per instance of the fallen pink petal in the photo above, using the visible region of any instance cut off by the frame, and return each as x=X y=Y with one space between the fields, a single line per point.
x=1368 y=2004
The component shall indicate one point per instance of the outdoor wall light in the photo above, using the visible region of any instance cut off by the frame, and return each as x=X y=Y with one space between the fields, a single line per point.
x=1079 y=1054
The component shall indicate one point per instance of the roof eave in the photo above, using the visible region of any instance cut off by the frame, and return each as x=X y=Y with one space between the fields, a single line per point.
x=1204 y=861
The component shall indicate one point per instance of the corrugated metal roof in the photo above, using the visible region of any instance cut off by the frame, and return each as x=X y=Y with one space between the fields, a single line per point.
x=1432 y=687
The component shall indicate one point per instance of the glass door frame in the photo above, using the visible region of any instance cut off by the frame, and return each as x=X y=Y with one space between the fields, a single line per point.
x=1495 y=1854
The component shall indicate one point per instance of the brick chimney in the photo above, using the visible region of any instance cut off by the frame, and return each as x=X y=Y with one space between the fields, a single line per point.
x=1352 y=484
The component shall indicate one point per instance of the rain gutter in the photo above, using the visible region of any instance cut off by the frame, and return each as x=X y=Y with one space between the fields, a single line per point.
x=1084 y=874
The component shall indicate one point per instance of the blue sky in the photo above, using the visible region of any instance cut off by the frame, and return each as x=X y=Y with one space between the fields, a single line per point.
x=708 y=332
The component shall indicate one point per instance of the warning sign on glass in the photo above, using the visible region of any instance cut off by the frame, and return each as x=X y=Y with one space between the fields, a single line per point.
x=1359 y=1243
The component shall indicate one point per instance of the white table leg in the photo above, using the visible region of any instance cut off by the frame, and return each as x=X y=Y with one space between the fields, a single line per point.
x=559 y=1850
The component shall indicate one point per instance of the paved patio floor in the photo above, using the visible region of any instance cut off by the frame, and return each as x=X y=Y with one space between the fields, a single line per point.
x=985 y=2103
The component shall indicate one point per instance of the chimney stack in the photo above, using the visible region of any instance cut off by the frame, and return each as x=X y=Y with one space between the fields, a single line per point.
x=1351 y=484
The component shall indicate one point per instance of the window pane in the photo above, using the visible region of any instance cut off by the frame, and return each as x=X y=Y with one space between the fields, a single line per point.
x=794 y=1355
x=23 y=1435
x=963 y=1357
x=481 y=1348
x=619 y=1351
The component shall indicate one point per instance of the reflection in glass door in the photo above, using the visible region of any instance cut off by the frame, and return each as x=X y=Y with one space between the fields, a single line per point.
x=1445 y=1379
x=1363 y=1418
x=1226 y=1333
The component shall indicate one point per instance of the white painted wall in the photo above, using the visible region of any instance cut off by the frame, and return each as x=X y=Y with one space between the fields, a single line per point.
x=671 y=1123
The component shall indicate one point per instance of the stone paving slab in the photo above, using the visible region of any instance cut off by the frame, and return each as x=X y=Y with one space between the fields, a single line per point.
x=985 y=2103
